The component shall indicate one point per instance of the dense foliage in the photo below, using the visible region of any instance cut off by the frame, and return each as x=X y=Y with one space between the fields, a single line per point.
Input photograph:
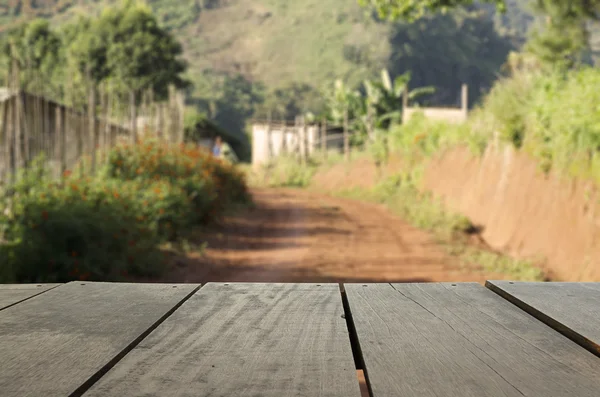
x=110 y=226
x=123 y=47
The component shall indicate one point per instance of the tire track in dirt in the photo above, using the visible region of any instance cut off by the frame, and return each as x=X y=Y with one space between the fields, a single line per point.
x=300 y=236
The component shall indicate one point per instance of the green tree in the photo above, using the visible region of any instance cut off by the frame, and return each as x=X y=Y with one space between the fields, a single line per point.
x=448 y=50
x=411 y=10
x=140 y=54
x=290 y=101
x=563 y=39
x=35 y=49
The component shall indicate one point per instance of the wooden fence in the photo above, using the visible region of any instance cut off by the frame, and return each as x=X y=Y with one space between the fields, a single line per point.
x=34 y=126
x=271 y=139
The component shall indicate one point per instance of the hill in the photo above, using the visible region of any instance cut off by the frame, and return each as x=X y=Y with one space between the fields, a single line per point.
x=241 y=51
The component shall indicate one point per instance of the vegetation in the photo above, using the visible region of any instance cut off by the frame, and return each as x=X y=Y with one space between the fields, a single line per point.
x=537 y=107
x=453 y=231
x=245 y=61
x=120 y=49
x=414 y=9
x=400 y=193
x=110 y=227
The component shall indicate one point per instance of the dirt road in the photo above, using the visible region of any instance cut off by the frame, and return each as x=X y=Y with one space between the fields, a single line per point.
x=299 y=236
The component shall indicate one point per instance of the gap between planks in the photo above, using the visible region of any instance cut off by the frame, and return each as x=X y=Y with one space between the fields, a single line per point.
x=361 y=372
x=29 y=297
x=582 y=341
x=115 y=360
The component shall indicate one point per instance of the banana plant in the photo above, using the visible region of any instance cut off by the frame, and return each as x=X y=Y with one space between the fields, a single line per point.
x=382 y=104
x=386 y=96
x=342 y=99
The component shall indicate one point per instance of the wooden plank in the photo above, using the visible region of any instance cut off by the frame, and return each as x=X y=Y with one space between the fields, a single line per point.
x=268 y=340
x=572 y=309
x=11 y=294
x=61 y=341
x=440 y=339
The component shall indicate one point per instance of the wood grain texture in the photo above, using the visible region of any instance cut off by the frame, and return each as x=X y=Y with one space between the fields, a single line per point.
x=58 y=342
x=573 y=309
x=228 y=340
x=440 y=339
x=11 y=294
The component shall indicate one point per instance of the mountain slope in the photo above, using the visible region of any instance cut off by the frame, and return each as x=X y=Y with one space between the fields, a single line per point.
x=240 y=50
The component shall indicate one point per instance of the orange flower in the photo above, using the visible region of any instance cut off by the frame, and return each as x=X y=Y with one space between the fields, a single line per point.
x=45 y=214
x=116 y=194
x=74 y=187
x=67 y=173
x=161 y=211
x=419 y=138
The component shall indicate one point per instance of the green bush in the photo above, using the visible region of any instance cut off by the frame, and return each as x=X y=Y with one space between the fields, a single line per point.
x=78 y=229
x=110 y=226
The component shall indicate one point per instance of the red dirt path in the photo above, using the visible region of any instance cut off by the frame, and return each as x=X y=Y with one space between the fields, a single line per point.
x=300 y=236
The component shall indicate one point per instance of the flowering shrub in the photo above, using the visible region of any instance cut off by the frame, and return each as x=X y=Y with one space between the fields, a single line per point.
x=110 y=226
x=212 y=183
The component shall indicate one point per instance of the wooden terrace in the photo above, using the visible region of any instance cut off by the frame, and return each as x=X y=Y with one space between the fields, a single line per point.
x=509 y=339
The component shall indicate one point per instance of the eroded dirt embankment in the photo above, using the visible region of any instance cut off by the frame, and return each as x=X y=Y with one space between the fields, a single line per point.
x=523 y=212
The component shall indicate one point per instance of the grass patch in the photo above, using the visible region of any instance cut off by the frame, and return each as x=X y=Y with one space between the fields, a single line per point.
x=454 y=232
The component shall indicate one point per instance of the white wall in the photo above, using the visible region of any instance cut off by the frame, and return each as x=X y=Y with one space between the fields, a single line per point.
x=283 y=140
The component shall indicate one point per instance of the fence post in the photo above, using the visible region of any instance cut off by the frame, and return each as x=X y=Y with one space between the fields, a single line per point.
x=133 y=116
x=465 y=100
x=7 y=126
x=405 y=105
x=62 y=141
x=181 y=104
x=304 y=140
x=324 y=137
x=17 y=131
x=283 y=148
x=160 y=125
x=93 y=130
x=346 y=137
x=270 y=153
x=296 y=141
x=4 y=139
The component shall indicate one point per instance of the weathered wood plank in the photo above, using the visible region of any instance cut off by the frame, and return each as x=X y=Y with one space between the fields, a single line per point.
x=572 y=309
x=58 y=343
x=11 y=294
x=268 y=340
x=462 y=340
